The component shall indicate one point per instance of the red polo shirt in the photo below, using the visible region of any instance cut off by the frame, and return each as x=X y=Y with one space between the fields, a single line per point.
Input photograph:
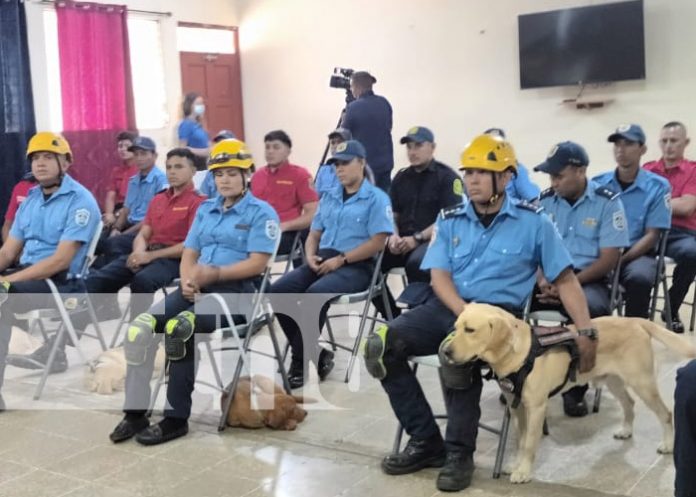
x=18 y=195
x=170 y=216
x=682 y=178
x=287 y=188
x=118 y=181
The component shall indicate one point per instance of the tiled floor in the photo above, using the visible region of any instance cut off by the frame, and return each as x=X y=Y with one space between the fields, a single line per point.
x=59 y=446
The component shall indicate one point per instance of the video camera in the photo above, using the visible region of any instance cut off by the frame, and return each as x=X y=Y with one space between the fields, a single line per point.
x=341 y=78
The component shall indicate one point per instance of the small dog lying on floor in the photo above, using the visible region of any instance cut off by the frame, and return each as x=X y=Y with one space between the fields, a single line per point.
x=259 y=402
x=624 y=358
x=107 y=373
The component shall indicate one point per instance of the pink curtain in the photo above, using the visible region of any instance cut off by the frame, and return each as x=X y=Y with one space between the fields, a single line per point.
x=96 y=89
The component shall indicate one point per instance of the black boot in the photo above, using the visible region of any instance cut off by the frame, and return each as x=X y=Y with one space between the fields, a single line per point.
x=326 y=363
x=418 y=454
x=39 y=358
x=296 y=373
x=574 y=404
x=457 y=472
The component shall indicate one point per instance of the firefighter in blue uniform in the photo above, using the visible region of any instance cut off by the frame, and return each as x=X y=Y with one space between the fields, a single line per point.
x=228 y=246
x=52 y=232
x=592 y=223
x=485 y=250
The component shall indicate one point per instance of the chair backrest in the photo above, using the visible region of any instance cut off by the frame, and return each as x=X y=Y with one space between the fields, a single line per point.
x=91 y=249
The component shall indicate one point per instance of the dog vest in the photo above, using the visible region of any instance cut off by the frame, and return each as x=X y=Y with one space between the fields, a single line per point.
x=544 y=338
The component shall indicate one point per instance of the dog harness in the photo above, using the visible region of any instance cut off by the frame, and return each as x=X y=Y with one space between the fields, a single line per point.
x=544 y=338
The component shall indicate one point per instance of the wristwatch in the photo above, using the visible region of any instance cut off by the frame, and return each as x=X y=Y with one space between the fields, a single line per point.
x=418 y=236
x=590 y=333
x=342 y=255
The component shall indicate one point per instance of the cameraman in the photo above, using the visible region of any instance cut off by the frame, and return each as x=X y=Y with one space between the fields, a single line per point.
x=369 y=119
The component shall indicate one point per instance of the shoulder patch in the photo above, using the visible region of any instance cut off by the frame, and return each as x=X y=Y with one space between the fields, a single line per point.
x=453 y=211
x=82 y=217
x=549 y=192
x=528 y=206
x=605 y=192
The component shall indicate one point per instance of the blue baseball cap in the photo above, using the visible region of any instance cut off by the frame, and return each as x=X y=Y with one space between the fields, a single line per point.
x=418 y=134
x=348 y=151
x=564 y=154
x=224 y=134
x=630 y=132
x=143 y=143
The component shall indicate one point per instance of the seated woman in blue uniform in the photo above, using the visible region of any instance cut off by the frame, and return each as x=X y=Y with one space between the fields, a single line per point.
x=228 y=246
x=51 y=231
x=350 y=227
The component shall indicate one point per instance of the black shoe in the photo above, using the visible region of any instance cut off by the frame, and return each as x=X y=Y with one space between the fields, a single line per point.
x=418 y=454
x=296 y=373
x=39 y=358
x=573 y=407
x=128 y=428
x=457 y=472
x=677 y=325
x=162 y=432
x=326 y=363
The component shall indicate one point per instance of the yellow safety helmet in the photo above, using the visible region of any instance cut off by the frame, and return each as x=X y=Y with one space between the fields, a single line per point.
x=488 y=152
x=46 y=141
x=230 y=153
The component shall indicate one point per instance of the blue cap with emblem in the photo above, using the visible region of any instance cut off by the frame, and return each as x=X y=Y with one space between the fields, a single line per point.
x=564 y=154
x=143 y=143
x=630 y=132
x=348 y=151
x=418 y=134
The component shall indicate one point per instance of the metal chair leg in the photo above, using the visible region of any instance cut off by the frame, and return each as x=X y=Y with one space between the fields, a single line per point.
x=502 y=443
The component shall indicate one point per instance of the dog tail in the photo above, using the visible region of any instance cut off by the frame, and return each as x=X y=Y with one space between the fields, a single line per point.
x=676 y=343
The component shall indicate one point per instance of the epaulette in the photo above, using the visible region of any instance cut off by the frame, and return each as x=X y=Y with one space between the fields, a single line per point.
x=549 y=192
x=528 y=206
x=452 y=211
x=605 y=192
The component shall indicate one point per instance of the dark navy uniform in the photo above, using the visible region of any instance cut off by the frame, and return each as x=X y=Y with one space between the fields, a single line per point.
x=417 y=197
x=496 y=265
x=685 y=431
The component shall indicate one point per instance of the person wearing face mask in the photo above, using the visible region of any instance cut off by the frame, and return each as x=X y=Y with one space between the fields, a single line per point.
x=228 y=246
x=50 y=235
x=191 y=132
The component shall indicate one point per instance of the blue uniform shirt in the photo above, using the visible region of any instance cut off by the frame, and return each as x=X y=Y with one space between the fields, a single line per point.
x=70 y=214
x=521 y=186
x=646 y=202
x=193 y=133
x=498 y=264
x=226 y=237
x=208 y=187
x=326 y=179
x=595 y=221
x=349 y=224
x=140 y=192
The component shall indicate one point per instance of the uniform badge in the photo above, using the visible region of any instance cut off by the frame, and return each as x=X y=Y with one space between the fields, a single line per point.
x=341 y=147
x=457 y=187
x=590 y=222
x=618 y=220
x=271 y=229
x=413 y=130
x=552 y=152
x=668 y=198
x=82 y=217
x=623 y=128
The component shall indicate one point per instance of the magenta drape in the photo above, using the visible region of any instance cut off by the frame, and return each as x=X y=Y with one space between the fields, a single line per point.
x=96 y=89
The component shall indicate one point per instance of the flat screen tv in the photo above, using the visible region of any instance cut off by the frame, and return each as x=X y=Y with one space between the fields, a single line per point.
x=594 y=44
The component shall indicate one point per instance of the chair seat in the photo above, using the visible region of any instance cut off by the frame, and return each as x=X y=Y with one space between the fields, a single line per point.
x=553 y=316
x=353 y=298
x=432 y=361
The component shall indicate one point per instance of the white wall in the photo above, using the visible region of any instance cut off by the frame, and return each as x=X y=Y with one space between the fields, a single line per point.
x=218 y=12
x=451 y=65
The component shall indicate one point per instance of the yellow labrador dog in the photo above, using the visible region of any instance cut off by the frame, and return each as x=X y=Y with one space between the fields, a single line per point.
x=624 y=358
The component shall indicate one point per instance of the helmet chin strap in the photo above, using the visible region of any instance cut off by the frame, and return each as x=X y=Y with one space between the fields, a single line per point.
x=61 y=175
x=496 y=195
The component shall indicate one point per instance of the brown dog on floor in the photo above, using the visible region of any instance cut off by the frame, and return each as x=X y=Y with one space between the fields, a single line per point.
x=268 y=406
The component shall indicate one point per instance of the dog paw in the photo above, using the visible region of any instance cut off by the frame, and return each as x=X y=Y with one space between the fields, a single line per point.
x=623 y=434
x=665 y=448
x=520 y=477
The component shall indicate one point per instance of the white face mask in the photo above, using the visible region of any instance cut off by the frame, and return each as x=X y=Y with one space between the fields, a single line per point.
x=199 y=109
